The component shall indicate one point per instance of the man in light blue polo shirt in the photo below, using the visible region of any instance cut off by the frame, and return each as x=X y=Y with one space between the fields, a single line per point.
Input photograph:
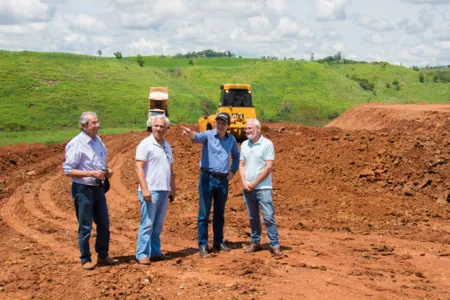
x=215 y=173
x=154 y=161
x=255 y=170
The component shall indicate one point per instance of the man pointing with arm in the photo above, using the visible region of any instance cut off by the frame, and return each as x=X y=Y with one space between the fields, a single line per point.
x=215 y=173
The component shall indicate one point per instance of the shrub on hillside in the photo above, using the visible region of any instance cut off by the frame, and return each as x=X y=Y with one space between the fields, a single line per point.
x=421 y=77
x=397 y=84
x=140 y=60
x=207 y=107
x=118 y=55
x=363 y=83
x=193 y=61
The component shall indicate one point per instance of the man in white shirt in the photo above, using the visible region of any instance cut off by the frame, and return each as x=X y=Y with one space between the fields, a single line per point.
x=154 y=161
x=85 y=162
x=255 y=170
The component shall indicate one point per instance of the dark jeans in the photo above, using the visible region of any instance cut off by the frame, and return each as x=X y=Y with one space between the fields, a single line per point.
x=210 y=188
x=90 y=204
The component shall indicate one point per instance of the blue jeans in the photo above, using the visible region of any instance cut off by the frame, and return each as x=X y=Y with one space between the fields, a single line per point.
x=153 y=214
x=90 y=205
x=261 y=199
x=210 y=188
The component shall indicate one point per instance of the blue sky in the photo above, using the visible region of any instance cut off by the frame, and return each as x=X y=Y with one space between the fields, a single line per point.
x=408 y=32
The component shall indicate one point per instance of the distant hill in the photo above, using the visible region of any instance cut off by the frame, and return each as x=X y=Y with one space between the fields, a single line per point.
x=49 y=90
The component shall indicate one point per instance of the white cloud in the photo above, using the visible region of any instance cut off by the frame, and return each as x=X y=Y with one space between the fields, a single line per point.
x=427 y=1
x=424 y=50
x=148 y=47
x=378 y=39
x=75 y=38
x=291 y=28
x=372 y=23
x=86 y=23
x=330 y=10
x=259 y=23
x=137 y=21
x=329 y=33
x=410 y=29
x=103 y=41
x=288 y=27
x=22 y=11
x=444 y=45
x=277 y=5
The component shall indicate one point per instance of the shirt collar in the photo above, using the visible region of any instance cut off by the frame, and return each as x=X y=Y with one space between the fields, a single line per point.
x=153 y=140
x=260 y=140
x=87 y=139
x=216 y=134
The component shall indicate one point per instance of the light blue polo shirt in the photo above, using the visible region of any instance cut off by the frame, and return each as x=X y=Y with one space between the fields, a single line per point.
x=255 y=157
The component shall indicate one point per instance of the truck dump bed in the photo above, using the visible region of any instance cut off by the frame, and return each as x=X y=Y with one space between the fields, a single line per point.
x=158 y=98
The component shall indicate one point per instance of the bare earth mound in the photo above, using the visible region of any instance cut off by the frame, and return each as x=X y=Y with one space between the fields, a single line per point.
x=362 y=214
x=376 y=116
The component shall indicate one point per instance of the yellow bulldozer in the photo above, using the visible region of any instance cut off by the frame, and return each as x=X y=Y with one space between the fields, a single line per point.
x=236 y=100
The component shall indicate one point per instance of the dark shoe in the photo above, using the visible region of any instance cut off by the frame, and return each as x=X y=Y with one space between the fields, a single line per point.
x=88 y=266
x=144 y=261
x=203 y=250
x=108 y=261
x=161 y=257
x=277 y=252
x=253 y=248
x=221 y=247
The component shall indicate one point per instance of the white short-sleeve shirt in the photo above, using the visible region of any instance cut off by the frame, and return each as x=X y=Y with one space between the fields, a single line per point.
x=255 y=157
x=158 y=160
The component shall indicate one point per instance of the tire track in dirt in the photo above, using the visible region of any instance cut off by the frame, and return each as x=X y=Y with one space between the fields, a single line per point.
x=44 y=197
x=46 y=200
x=18 y=225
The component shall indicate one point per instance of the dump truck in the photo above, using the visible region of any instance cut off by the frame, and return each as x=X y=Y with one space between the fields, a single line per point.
x=236 y=100
x=158 y=103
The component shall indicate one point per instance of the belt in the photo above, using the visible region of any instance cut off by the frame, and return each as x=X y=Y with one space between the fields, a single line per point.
x=215 y=175
x=87 y=185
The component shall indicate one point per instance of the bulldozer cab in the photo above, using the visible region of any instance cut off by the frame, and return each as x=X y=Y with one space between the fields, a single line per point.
x=236 y=100
x=236 y=95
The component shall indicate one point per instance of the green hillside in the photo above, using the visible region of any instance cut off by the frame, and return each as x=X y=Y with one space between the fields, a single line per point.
x=48 y=91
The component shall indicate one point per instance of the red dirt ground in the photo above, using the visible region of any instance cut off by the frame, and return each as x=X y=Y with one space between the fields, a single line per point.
x=362 y=214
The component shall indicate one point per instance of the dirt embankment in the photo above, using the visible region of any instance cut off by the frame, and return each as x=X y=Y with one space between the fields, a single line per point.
x=361 y=214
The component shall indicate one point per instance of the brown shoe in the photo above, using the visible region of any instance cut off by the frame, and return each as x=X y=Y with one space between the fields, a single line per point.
x=144 y=261
x=88 y=266
x=277 y=252
x=108 y=261
x=253 y=248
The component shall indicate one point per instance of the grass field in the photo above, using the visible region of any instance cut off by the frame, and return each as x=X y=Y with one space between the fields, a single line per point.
x=50 y=137
x=48 y=91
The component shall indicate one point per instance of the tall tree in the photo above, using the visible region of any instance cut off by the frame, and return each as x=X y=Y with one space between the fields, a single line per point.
x=99 y=52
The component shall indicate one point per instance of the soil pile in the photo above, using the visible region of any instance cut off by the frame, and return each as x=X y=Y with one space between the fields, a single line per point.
x=361 y=214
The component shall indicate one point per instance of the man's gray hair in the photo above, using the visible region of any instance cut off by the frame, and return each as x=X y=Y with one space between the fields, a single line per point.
x=256 y=123
x=84 y=118
x=162 y=117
